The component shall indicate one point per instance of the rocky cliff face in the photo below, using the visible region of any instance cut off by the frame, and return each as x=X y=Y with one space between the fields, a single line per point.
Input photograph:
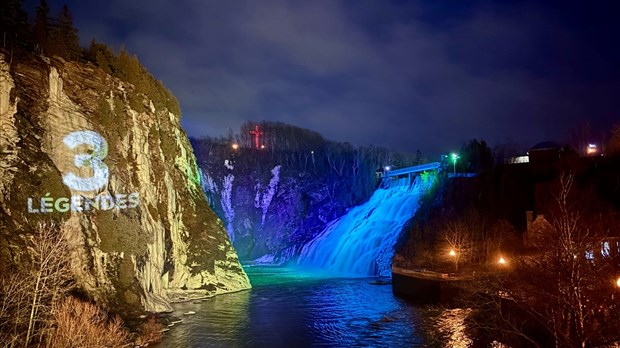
x=272 y=206
x=270 y=217
x=86 y=150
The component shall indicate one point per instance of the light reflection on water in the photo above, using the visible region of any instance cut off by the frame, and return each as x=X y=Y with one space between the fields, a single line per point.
x=288 y=309
x=451 y=325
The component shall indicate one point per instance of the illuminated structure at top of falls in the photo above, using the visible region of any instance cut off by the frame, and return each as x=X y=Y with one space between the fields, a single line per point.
x=361 y=243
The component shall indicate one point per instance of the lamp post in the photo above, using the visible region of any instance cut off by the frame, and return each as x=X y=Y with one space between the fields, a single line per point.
x=454 y=156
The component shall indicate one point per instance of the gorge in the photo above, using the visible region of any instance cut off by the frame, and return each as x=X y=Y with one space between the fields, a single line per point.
x=279 y=204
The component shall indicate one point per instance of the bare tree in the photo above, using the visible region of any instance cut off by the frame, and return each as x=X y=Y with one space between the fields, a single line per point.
x=613 y=144
x=564 y=284
x=29 y=294
x=51 y=273
x=458 y=239
x=355 y=164
x=37 y=310
x=336 y=159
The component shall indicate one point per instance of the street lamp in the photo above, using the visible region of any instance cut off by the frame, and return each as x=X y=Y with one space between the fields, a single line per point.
x=235 y=146
x=501 y=261
x=452 y=253
x=454 y=156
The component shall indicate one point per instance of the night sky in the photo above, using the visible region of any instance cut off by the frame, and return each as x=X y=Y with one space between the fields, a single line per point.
x=401 y=74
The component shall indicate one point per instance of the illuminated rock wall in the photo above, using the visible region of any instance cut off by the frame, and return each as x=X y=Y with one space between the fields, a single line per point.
x=272 y=212
x=120 y=178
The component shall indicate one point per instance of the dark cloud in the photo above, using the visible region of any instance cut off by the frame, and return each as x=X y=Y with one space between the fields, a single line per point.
x=402 y=74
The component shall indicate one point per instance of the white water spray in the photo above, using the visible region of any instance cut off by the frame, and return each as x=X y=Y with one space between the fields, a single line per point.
x=361 y=243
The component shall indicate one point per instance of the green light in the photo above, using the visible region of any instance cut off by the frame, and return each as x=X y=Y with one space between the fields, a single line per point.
x=455 y=156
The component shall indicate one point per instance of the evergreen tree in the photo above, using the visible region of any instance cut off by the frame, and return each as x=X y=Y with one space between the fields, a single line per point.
x=41 y=27
x=129 y=68
x=476 y=156
x=102 y=56
x=14 y=29
x=65 y=41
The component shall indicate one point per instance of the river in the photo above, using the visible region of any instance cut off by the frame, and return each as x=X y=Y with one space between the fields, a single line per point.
x=289 y=308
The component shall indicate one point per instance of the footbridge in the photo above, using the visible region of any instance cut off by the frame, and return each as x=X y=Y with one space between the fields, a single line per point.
x=402 y=172
x=406 y=178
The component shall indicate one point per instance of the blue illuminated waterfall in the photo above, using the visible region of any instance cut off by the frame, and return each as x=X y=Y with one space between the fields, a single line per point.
x=362 y=241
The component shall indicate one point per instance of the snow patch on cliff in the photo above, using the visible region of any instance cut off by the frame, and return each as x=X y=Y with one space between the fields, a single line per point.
x=208 y=185
x=229 y=211
x=263 y=199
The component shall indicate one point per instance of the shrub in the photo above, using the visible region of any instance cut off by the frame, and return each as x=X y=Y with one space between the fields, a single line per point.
x=150 y=332
x=82 y=324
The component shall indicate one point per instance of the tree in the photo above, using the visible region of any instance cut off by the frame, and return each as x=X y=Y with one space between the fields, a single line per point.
x=65 y=40
x=419 y=158
x=36 y=308
x=564 y=285
x=458 y=241
x=102 y=56
x=613 y=145
x=41 y=29
x=29 y=294
x=476 y=156
x=14 y=28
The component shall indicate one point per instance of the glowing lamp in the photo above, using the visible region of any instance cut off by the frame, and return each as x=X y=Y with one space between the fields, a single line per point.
x=501 y=261
x=454 y=157
x=452 y=252
x=591 y=149
x=618 y=282
x=235 y=146
x=387 y=168
x=262 y=146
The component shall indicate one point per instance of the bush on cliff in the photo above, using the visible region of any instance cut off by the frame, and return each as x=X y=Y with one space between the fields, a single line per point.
x=37 y=307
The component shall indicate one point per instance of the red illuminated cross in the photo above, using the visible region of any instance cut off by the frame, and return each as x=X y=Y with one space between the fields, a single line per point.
x=256 y=133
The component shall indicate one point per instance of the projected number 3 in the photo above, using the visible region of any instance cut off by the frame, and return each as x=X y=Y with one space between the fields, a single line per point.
x=93 y=160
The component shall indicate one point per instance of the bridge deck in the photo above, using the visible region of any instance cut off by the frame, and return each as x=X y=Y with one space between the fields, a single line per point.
x=414 y=169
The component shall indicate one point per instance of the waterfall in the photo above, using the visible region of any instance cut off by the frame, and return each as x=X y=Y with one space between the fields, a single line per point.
x=361 y=242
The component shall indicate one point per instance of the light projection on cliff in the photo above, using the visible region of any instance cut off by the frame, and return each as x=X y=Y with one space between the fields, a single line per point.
x=90 y=149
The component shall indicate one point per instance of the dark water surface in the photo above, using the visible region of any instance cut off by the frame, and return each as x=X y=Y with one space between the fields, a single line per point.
x=287 y=308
